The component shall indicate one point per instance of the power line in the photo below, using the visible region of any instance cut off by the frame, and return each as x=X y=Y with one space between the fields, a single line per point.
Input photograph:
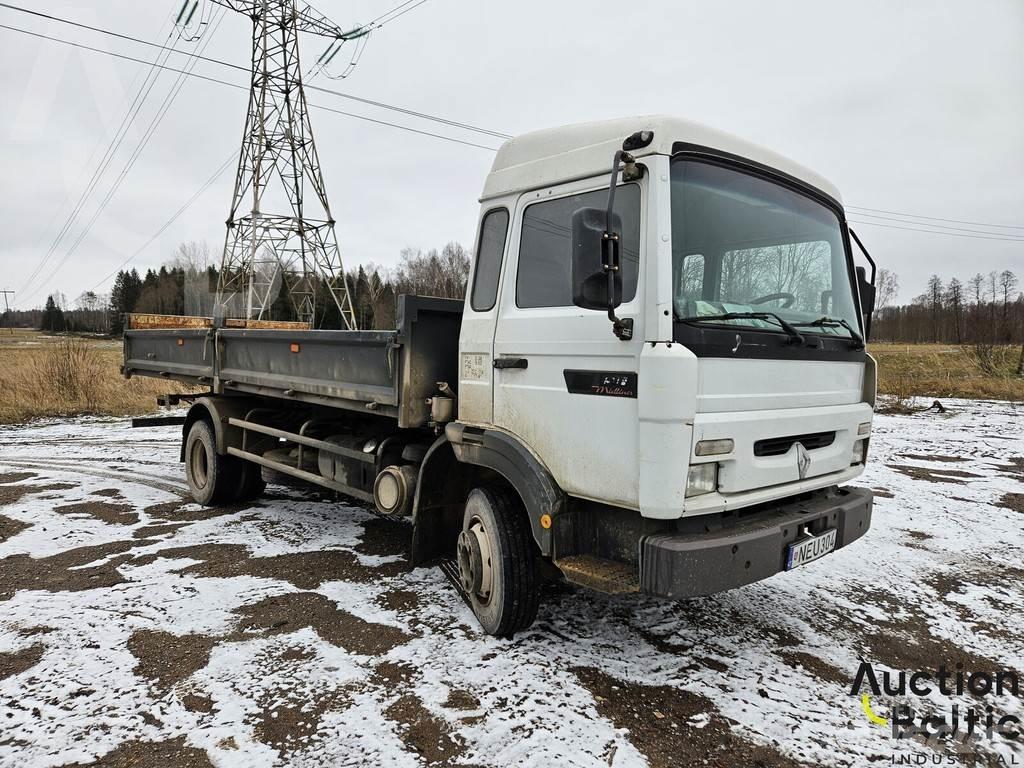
x=936 y=218
x=140 y=147
x=246 y=88
x=117 y=139
x=224 y=167
x=374 y=23
x=246 y=69
x=194 y=57
x=177 y=214
x=162 y=111
x=164 y=67
x=408 y=6
x=937 y=232
x=939 y=226
x=89 y=163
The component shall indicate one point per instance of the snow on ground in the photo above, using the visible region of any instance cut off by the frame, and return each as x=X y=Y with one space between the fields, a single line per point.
x=139 y=629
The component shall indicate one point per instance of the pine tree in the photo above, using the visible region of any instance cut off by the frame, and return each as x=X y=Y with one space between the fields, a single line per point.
x=53 y=317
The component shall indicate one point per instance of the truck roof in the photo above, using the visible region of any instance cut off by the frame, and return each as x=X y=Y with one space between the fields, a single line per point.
x=554 y=155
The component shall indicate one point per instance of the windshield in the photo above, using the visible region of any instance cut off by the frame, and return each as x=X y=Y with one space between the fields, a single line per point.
x=741 y=244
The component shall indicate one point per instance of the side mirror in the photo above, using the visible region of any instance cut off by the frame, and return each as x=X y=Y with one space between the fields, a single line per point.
x=589 y=276
x=867 y=297
x=596 y=250
x=865 y=287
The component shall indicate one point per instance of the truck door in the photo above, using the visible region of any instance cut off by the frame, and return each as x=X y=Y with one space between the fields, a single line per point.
x=563 y=383
x=476 y=338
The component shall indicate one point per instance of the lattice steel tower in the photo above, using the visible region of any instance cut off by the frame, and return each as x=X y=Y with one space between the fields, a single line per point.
x=280 y=227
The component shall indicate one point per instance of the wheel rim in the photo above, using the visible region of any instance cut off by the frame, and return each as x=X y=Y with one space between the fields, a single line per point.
x=476 y=572
x=199 y=464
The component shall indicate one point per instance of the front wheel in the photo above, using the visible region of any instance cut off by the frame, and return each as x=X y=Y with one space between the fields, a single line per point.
x=498 y=561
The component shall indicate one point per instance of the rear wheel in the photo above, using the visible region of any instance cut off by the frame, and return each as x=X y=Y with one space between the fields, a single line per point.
x=251 y=483
x=212 y=478
x=498 y=561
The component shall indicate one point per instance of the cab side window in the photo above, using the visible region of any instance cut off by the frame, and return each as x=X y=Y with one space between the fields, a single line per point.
x=544 y=277
x=488 y=259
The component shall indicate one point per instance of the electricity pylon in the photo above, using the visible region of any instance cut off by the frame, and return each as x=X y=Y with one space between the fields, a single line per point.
x=276 y=232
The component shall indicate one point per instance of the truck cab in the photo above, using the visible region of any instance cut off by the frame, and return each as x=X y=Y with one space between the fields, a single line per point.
x=698 y=451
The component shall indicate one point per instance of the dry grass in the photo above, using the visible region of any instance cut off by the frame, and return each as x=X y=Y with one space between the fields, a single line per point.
x=940 y=370
x=45 y=376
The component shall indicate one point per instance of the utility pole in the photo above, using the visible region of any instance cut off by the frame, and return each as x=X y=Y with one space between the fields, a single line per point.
x=276 y=232
x=7 y=309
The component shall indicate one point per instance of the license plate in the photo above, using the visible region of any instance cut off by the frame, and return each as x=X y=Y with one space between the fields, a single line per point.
x=808 y=550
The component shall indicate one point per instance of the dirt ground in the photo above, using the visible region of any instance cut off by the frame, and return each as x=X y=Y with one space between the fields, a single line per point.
x=138 y=629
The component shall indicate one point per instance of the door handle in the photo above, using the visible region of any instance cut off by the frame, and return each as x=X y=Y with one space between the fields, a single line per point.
x=503 y=363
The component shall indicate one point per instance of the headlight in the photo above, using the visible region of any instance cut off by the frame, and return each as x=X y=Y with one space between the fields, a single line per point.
x=702 y=478
x=714 y=447
x=857 y=457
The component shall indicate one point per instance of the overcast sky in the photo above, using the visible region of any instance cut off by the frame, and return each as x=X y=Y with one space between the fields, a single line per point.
x=912 y=107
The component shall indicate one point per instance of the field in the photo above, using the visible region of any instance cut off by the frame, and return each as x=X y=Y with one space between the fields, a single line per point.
x=44 y=376
x=138 y=629
x=945 y=370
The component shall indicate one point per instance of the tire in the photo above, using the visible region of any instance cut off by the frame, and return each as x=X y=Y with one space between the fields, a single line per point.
x=212 y=478
x=251 y=484
x=505 y=594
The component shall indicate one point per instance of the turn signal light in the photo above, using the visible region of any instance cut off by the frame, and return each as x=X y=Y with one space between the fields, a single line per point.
x=714 y=447
x=864 y=429
x=857 y=456
x=702 y=478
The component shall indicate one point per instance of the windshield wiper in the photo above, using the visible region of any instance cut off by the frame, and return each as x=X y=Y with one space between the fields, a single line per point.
x=831 y=322
x=787 y=328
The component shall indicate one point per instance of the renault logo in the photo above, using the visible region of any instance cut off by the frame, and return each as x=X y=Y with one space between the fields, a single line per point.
x=803 y=460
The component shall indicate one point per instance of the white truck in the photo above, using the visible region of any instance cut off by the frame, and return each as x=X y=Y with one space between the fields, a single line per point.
x=657 y=382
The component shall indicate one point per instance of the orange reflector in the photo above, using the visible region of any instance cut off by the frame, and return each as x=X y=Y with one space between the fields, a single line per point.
x=545 y=521
x=295 y=347
x=181 y=342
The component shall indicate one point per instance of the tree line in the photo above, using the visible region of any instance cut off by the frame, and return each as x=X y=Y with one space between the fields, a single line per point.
x=986 y=308
x=984 y=311
x=187 y=285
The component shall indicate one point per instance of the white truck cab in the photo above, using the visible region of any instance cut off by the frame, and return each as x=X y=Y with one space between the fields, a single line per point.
x=744 y=383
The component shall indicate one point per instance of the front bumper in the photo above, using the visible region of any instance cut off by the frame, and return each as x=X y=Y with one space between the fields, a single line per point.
x=690 y=565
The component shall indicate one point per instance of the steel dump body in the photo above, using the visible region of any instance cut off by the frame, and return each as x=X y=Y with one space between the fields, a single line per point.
x=390 y=373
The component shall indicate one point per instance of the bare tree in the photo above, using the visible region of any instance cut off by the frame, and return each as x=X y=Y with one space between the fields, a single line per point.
x=955 y=299
x=193 y=259
x=433 y=274
x=887 y=286
x=1007 y=285
x=934 y=301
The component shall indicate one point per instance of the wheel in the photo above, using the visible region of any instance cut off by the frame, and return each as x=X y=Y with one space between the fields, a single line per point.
x=251 y=483
x=212 y=478
x=498 y=561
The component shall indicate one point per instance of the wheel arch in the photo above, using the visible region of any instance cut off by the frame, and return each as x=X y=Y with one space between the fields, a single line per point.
x=467 y=454
x=217 y=411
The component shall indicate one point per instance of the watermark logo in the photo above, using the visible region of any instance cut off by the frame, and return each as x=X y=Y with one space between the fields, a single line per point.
x=927 y=706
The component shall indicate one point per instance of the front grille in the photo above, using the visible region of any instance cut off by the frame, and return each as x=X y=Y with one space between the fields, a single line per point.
x=777 y=446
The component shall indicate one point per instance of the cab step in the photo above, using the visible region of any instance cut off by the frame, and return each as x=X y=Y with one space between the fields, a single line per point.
x=608 y=576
